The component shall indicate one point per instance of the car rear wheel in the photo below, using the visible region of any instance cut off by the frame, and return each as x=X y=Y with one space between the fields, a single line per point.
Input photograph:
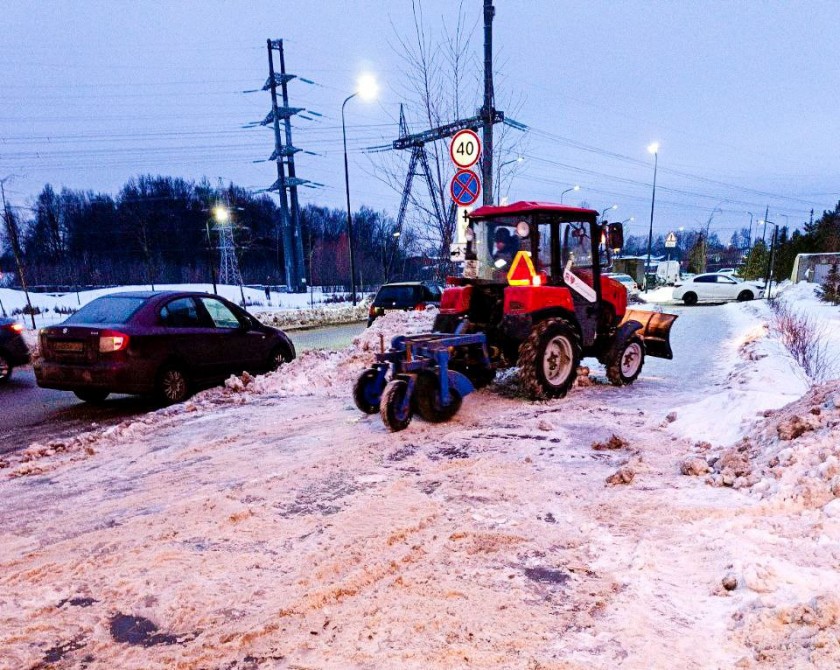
x=690 y=298
x=744 y=296
x=172 y=385
x=278 y=356
x=92 y=396
x=5 y=369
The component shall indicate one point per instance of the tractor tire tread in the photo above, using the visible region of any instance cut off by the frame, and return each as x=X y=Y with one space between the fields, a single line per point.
x=613 y=363
x=528 y=375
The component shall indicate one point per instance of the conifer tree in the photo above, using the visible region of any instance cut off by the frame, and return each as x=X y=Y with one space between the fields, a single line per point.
x=830 y=289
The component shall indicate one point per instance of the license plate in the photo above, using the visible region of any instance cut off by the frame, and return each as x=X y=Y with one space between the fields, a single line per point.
x=72 y=347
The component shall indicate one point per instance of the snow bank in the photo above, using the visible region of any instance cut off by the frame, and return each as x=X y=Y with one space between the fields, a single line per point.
x=333 y=373
x=762 y=375
x=314 y=317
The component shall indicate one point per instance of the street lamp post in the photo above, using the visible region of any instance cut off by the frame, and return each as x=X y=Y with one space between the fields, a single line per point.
x=518 y=159
x=366 y=88
x=749 y=236
x=210 y=256
x=607 y=209
x=653 y=149
x=768 y=283
x=349 y=214
x=576 y=187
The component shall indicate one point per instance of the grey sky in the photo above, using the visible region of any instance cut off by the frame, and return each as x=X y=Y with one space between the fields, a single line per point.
x=740 y=94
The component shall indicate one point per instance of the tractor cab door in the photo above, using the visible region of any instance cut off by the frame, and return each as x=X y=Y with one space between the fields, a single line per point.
x=580 y=274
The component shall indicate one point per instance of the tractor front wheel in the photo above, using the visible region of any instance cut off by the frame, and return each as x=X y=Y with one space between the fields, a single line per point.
x=428 y=401
x=395 y=410
x=625 y=362
x=549 y=358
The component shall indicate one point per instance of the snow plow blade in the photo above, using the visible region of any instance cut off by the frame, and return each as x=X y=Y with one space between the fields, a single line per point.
x=655 y=331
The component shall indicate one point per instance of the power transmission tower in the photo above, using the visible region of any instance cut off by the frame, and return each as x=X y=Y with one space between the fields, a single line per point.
x=486 y=117
x=287 y=181
x=228 y=264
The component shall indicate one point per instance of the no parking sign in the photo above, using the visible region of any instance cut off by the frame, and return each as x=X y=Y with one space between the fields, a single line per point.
x=465 y=188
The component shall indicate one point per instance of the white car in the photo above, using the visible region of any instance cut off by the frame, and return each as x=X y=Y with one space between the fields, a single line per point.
x=716 y=287
x=628 y=281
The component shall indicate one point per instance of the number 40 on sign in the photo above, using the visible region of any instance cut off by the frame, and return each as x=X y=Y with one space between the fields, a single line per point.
x=465 y=149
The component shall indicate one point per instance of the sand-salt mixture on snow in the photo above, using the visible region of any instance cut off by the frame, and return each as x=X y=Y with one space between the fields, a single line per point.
x=272 y=525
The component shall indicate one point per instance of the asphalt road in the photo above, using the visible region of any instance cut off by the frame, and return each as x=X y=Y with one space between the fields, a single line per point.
x=30 y=414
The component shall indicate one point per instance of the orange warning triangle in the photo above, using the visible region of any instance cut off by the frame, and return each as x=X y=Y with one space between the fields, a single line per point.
x=521 y=270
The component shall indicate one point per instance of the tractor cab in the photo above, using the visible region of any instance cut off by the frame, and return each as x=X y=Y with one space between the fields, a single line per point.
x=554 y=238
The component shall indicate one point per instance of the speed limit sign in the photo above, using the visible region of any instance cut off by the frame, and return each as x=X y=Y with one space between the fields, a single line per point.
x=465 y=148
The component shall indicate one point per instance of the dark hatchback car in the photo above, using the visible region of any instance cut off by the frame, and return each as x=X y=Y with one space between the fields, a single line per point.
x=166 y=344
x=404 y=296
x=13 y=350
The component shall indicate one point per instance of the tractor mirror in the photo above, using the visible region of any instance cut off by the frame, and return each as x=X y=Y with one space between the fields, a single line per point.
x=615 y=236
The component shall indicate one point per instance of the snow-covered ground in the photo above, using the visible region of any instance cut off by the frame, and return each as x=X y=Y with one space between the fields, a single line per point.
x=271 y=525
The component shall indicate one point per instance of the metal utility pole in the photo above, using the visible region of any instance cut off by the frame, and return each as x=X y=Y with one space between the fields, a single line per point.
x=285 y=220
x=297 y=236
x=488 y=111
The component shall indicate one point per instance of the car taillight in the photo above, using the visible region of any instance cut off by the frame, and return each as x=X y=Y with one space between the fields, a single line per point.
x=16 y=328
x=111 y=341
x=420 y=306
x=372 y=311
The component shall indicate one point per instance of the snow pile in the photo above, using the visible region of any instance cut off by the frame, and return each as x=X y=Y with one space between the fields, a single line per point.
x=333 y=373
x=762 y=375
x=792 y=457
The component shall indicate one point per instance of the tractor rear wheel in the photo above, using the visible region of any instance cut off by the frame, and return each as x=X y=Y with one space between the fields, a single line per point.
x=625 y=363
x=366 y=392
x=395 y=412
x=428 y=401
x=549 y=358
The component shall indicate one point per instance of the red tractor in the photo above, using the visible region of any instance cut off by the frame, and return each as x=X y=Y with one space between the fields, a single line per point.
x=534 y=293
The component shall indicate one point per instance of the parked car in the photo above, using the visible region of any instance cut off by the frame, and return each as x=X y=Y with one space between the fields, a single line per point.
x=13 y=350
x=716 y=287
x=165 y=344
x=628 y=281
x=404 y=296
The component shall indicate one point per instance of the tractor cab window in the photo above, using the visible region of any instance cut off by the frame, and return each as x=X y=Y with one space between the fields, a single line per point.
x=505 y=246
x=496 y=245
x=577 y=245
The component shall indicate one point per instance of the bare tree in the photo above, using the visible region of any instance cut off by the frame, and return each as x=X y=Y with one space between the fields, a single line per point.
x=443 y=83
x=12 y=226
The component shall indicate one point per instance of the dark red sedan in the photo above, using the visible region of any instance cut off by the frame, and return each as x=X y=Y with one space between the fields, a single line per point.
x=166 y=344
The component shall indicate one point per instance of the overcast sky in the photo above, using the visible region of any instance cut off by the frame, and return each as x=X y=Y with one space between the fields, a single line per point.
x=743 y=97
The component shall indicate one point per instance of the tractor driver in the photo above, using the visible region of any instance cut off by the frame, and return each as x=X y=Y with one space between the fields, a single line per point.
x=504 y=249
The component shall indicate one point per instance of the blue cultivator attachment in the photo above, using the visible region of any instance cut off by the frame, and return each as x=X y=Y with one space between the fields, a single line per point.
x=415 y=375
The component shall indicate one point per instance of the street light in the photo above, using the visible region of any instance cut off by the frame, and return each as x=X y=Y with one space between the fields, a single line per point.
x=652 y=149
x=749 y=237
x=769 y=275
x=607 y=209
x=366 y=89
x=518 y=159
x=576 y=187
